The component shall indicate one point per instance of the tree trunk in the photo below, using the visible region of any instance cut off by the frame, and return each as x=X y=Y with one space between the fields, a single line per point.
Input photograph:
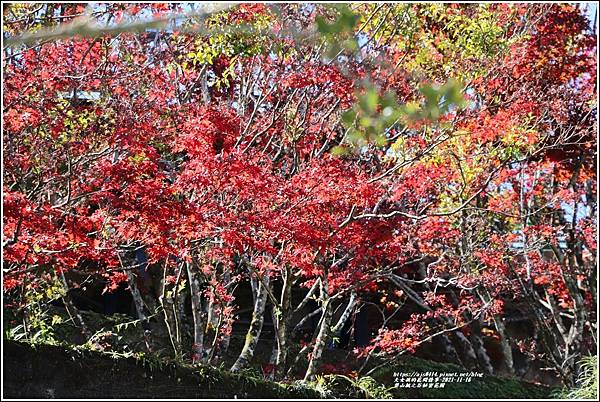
x=337 y=328
x=212 y=322
x=168 y=307
x=449 y=349
x=469 y=357
x=282 y=316
x=166 y=300
x=224 y=346
x=256 y=324
x=197 y=313
x=138 y=301
x=71 y=309
x=323 y=335
x=505 y=345
x=508 y=362
x=482 y=356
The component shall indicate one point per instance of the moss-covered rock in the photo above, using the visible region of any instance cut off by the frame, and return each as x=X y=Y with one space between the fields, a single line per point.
x=45 y=371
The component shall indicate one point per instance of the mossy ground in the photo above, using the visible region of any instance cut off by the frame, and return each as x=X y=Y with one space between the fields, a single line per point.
x=486 y=387
x=38 y=371
x=125 y=352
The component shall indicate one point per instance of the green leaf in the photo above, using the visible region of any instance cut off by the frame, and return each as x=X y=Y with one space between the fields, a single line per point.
x=368 y=102
x=339 y=150
x=348 y=117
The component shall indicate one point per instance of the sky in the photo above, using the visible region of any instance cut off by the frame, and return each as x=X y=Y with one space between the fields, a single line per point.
x=591 y=10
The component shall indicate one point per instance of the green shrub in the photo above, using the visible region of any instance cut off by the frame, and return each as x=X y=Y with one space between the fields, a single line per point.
x=587 y=383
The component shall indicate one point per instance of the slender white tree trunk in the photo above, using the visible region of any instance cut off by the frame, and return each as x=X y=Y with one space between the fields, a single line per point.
x=256 y=324
x=323 y=335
